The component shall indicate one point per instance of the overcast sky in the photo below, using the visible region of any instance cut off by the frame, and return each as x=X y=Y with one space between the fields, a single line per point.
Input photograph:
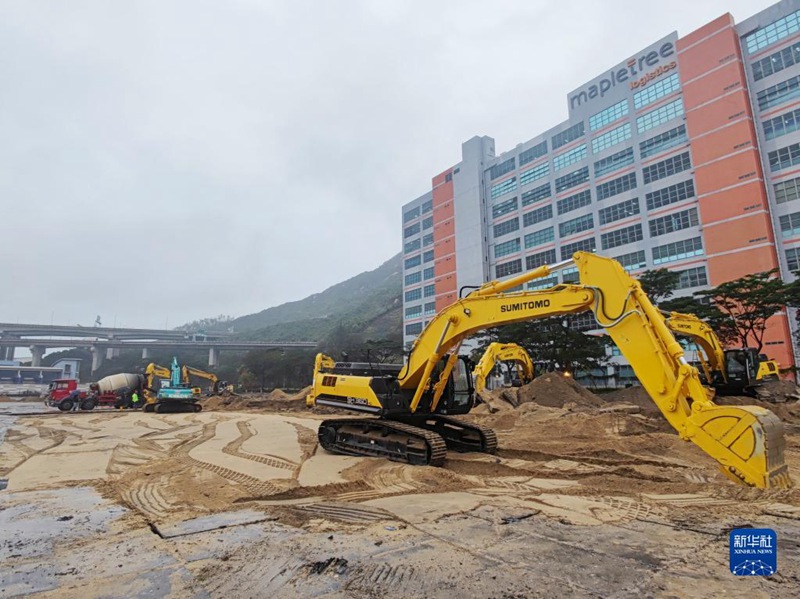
x=163 y=161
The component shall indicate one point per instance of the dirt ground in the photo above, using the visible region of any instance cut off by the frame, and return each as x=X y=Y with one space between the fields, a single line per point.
x=588 y=495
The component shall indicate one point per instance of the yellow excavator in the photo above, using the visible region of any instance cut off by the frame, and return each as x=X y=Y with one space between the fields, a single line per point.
x=503 y=352
x=413 y=404
x=188 y=371
x=729 y=371
x=164 y=391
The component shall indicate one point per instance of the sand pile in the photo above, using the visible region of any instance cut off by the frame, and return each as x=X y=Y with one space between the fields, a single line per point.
x=636 y=396
x=5 y=399
x=555 y=391
x=274 y=401
x=778 y=391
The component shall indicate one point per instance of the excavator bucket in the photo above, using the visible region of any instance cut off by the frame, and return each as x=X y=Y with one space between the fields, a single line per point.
x=747 y=441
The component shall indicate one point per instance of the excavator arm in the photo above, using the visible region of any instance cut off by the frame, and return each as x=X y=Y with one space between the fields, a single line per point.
x=502 y=352
x=713 y=362
x=189 y=371
x=151 y=373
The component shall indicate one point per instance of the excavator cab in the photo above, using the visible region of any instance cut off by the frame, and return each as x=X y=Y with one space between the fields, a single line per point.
x=742 y=369
x=460 y=391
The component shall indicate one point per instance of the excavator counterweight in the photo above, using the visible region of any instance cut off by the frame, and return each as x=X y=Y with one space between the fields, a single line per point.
x=436 y=383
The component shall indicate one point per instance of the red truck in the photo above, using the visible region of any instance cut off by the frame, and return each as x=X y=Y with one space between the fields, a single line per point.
x=64 y=394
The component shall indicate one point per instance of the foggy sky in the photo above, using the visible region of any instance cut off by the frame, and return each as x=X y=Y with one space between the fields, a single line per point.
x=167 y=161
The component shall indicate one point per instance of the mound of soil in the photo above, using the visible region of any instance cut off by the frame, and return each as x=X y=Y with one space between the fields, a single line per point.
x=633 y=395
x=274 y=401
x=780 y=390
x=554 y=391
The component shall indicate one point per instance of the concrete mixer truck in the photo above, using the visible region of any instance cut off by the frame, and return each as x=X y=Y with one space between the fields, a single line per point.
x=112 y=391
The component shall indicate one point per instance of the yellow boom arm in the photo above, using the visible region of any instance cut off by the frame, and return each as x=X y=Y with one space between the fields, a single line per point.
x=152 y=372
x=747 y=441
x=188 y=371
x=502 y=352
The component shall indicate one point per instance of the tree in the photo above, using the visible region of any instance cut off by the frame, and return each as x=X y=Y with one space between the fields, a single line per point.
x=746 y=304
x=659 y=284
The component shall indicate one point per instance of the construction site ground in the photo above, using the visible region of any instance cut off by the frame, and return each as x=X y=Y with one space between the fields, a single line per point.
x=587 y=496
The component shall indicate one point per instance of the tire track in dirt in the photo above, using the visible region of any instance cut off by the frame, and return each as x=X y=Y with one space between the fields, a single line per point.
x=234 y=448
x=352 y=513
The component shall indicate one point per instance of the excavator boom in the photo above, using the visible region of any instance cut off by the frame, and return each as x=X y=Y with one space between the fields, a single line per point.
x=747 y=441
x=502 y=352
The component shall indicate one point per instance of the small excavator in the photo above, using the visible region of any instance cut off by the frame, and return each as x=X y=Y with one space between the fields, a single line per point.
x=412 y=406
x=189 y=371
x=737 y=371
x=503 y=352
x=165 y=391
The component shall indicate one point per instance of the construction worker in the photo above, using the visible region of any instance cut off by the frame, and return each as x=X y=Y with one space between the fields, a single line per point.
x=134 y=400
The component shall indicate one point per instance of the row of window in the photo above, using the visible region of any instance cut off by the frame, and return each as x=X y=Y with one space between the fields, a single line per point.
x=507 y=247
x=575 y=132
x=504 y=207
x=613 y=162
x=567 y=158
x=609 y=115
x=663 y=141
x=498 y=170
x=572 y=179
x=779 y=93
x=656 y=91
x=507 y=226
x=539 y=237
x=616 y=186
x=504 y=187
x=417 y=311
x=660 y=115
x=774 y=63
x=787 y=191
x=415 y=294
x=793 y=259
x=673 y=222
x=576 y=225
x=416 y=277
x=790 y=224
x=534 y=174
x=784 y=157
x=620 y=237
x=536 y=194
x=772 y=33
x=670 y=195
x=415 y=212
x=611 y=138
x=665 y=168
x=782 y=124
x=573 y=202
x=533 y=153
x=619 y=211
x=418 y=259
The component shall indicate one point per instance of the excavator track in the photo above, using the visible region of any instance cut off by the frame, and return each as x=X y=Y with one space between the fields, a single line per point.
x=378 y=437
x=459 y=436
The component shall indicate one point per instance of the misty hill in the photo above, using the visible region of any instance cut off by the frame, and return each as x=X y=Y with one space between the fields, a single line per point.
x=368 y=304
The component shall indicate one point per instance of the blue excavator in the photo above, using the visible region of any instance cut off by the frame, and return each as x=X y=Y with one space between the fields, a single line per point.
x=166 y=392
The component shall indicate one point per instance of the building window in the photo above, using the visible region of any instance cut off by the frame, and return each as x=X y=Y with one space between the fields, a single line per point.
x=673 y=222
x=411 y=214
x=669 y=195
x=663 y=141
x=632 y=261
x=786 y=191
x=655 y=91
x=571 y=157
x=677 y=250
x=411 y=246
x=576 y=225
x=692 y=277
x=430 y=308
x=784 y=157
x=505 y=207
x=414 y=277
x=611 y=138
x=774 y=63
x=572 y=179
x=498 y=170
x=772 y=33
x=543 y=283
x=579 y=200
x=412 y=230
x=609 y=115
x=778 y=94
x=414 y=312
x=427 y=256
x=619 y=211
x=428 y=273
x=534 y=174
x=781 y=125
x=583 y=322
x=413 y=261
x=660 y=115
x=790 y=224
x=665 y=168
x=534 y=195
x=414 y=329
x=539 y=237
x=620 y=237
x=506 y=248
x=427 y=206
x=428 y=291
x=537 y=216
x=540 y=259
x=505 y=187
x=616 y=186
x=413 y=294
x=507 y=226
x=427 y=223
x=613 y=162
x=570 y=275
x=448 y=177
x=571 y=134
x=584 y=245
x=508 y=268
x=533 y=153
x=427 y=240
x=793 y=259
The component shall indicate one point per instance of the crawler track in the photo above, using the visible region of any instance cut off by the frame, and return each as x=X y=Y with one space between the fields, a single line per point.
x=458 y=435
x=377 y=437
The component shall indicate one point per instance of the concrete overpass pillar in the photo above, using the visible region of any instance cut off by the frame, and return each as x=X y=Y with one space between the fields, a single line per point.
x=10 y=352
x=213 y=356
x=112 y=352
x=37 y=353
x=146 y=353
x=97 y=358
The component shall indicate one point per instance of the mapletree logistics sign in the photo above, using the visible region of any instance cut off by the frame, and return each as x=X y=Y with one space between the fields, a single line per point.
x=633 y=74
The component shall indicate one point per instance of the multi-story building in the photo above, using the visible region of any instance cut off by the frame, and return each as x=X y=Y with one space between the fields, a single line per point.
x=686 y=155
